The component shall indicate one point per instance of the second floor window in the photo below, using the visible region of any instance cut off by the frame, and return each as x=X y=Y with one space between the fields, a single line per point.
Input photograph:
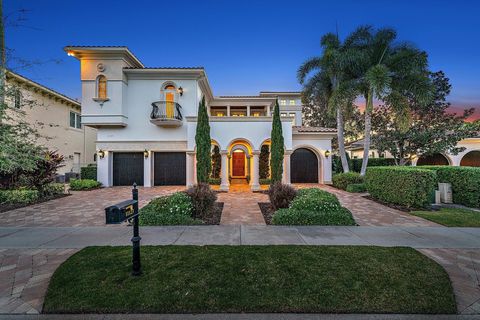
x=292 y=102
x=283 y=102
x=75 y=120
x=102 y=87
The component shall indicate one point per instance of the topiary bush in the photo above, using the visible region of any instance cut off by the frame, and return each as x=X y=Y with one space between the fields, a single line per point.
x=465 y=183
x=89 y=172
x=84 y=184
x=406 y=186
x=340 y=217
x=342 y=180
x=281 y=195
x=176 y=209
x=357 y=187
x=203 y=200
x=18 y=196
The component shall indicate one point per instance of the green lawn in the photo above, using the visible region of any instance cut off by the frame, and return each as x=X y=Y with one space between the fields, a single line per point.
x=194 y=279
x=451 y=217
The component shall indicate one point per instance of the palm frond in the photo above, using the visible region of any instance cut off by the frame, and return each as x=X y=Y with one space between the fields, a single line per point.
x=307 y=67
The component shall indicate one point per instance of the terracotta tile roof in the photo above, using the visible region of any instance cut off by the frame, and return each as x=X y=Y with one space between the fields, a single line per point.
x=167 y=68
x=312 y=129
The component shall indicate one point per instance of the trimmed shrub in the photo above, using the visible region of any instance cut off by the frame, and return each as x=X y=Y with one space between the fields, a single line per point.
x=281 y=195
x=215 y=181
x=176 y=209
x=315 y=201
x=356 y=187
x=342 y=180
x=89 y=172
x=339 y=217
x=18 y=196
x=53 y=189
x=83 y=184
x=203 y=200
x=265 y=181
x=356 y=164
x=465 y=183
x=406 y=186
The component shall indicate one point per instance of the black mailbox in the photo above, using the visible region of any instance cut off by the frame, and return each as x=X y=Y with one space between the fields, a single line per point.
x=120 y=212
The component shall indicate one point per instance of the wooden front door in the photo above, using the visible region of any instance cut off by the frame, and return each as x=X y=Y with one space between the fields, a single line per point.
x=238 y=164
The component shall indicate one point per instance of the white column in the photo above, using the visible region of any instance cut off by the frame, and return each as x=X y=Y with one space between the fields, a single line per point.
x=268 y=111
x=228 y=111
x=255 y=185
x=248 y=111
x=286 y=167
x=225 y=184
x=104 y=169
x=147 y=170
x=190 y=168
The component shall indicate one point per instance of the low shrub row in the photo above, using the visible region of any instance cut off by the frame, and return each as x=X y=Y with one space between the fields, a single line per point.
x=313 y=206
x=84 y=184
x=356 y=164
x=465 y=183
x=215 y=181
x=411 y=187
x=18 y=196
x=356 y=187
x=265 y=181
x=175 y=209
x=89 y=172
x=342 y=180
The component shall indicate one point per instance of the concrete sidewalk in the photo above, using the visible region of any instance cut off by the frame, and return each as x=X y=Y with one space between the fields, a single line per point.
x=80 y=237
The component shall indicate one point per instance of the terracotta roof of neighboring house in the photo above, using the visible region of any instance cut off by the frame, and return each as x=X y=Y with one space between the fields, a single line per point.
x=280 y=92
x=297 y=129
x=44 y=89
x=167 y=68
x=240 y=97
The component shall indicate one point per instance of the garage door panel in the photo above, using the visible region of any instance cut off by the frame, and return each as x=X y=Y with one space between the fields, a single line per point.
x=303 y=166
x=127 y=168
x=170 y=168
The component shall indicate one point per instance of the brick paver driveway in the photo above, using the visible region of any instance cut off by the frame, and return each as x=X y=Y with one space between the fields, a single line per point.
x=82 y=208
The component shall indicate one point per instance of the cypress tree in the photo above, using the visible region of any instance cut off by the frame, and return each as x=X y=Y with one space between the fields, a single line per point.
x=276 y=148
x=264 y=159
x=203 y=143
x=216 y=162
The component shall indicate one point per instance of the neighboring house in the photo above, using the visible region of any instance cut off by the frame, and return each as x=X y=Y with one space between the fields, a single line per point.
x=469 y=157
x=57 y=119
x=146 y=120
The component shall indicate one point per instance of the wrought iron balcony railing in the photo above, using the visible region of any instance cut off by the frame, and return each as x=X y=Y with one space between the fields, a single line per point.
x=166 y=113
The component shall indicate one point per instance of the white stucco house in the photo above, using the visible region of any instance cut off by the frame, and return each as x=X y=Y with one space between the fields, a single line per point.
x=146 y=120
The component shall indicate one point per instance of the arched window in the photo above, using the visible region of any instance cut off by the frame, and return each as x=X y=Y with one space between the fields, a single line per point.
x=102 y=87
x=170 y=96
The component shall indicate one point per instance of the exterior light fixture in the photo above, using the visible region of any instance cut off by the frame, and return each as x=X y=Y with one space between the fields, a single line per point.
x=327 y=154
x=146 y=153
x=180 y=91
x=70 y=54
x=101 y=154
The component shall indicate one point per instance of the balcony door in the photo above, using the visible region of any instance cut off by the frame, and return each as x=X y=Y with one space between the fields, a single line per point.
x=170 y=101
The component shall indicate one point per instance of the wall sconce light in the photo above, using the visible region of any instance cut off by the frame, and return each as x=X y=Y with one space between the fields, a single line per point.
x=180 y=91
x=101 y=154
x=146 y=153
x=70 y=54
x=327 y=153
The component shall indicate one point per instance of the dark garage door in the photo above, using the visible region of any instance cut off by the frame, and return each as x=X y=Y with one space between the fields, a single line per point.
x=170 y=169
x=127 y=168
x=303 y=166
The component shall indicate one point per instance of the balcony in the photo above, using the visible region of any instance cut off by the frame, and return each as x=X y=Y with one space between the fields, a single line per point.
x=166 y=114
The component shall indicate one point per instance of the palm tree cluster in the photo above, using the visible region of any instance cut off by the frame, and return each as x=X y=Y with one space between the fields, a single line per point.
x=369 y=64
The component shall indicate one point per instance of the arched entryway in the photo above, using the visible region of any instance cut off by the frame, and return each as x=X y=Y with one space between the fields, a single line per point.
x=304 y=165
x=436 y=159
x=240 y=155
x=471 y=159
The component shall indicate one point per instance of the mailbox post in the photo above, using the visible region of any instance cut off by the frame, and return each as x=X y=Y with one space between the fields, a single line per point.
x=128 y=210
x=136 y=270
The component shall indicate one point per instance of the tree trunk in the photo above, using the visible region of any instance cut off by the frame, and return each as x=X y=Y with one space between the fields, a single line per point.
x=368 y=132
x=341 y=142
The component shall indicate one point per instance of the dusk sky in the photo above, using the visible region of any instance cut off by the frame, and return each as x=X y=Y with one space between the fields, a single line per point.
x=245 y=46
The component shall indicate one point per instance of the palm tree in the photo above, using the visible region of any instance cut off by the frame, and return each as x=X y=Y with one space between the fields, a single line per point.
x=330 y=82
x=382 y=68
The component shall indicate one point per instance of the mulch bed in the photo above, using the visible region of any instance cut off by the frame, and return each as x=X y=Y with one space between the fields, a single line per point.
x=8 y=207
x=267 y=211
x=216 y=216
x=390 y=205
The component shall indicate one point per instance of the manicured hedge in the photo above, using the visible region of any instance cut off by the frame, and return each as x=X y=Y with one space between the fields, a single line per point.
x=356 y=187
x=215 y=181
x=465 y=183
x=356 y=164
x=265 y=181
x=313 y=206
x=89 y=172
x=175 y=209
x=342 y=180
x=407 y=186
x=18 y=196
x=84 y=184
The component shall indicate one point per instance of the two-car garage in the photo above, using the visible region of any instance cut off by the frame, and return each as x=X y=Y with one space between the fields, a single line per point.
x=169 y=168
